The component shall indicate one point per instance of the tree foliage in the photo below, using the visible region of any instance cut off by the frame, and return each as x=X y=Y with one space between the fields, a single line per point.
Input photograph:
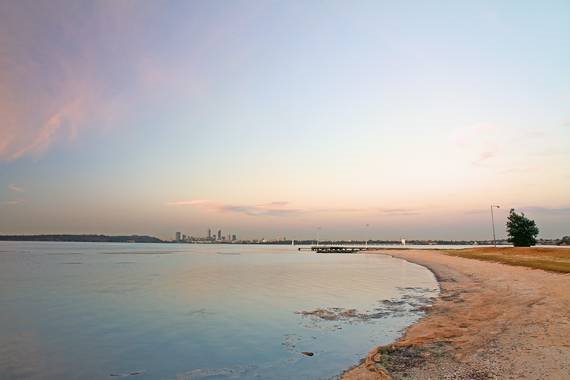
x=522 y=231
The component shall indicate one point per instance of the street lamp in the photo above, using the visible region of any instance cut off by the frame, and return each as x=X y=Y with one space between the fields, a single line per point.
x=493 y=223
x=366 y=243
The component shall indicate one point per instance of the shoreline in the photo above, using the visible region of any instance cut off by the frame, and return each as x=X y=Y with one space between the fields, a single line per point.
x=490 y=321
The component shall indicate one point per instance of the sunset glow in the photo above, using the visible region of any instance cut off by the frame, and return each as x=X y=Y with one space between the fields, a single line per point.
x=273 y=119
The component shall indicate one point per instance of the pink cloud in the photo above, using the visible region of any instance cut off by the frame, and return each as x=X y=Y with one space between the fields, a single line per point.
x=51 y=93
x=57 y=120
x=399 y=211
x=62 y=75
x=283 y=208
x=279 y=208
x=63 y=122
x=195 y=202
x=16 y=188
x=478 y=141
x=484 y=156
x=12 y=202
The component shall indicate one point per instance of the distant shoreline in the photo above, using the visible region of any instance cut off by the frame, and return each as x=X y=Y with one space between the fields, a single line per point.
x=83 y=238
x=490 y=321
x=102 y=238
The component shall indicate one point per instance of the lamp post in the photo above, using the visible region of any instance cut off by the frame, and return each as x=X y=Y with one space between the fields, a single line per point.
x=493 y=223
x=366 y=242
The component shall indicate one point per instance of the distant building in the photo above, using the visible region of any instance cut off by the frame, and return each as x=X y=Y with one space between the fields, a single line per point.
x=183 y=237
x=178 y=234
x=219 y=234
x=234 y=237
x=209 y=233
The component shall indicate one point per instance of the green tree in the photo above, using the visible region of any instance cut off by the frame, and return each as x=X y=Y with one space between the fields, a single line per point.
x=522 y=231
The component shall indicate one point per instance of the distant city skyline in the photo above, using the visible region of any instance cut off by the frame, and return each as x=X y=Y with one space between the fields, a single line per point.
x=183 y=237
x=358 y=120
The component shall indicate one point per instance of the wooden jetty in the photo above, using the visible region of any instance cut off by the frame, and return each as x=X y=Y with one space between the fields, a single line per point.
x=334 y=248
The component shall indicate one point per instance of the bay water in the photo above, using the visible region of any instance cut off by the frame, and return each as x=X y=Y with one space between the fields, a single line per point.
x=198 y=311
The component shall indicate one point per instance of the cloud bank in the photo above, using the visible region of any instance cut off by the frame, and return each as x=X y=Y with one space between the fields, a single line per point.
x=283 y=208
x=280 y=208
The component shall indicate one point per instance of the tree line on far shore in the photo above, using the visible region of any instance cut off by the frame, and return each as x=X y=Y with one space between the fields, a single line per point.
x=83 y=238
x=521 y=231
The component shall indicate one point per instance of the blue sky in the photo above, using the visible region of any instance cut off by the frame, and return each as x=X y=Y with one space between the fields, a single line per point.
x=271 y=118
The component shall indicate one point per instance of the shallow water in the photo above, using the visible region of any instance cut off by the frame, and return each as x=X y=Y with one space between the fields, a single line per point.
x=170 y=311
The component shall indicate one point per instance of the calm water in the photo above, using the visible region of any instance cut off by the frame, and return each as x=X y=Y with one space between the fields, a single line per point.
x=148 y=311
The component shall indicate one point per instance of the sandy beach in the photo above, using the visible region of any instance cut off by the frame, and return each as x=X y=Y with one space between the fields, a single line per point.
x=491 y=320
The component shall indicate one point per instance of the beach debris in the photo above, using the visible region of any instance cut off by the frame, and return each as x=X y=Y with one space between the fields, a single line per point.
x=412 y=300
x=237 y=372
x=290 y=342
x=340 y=314
x=132 y=373
x=330 y=314
x=203 y=313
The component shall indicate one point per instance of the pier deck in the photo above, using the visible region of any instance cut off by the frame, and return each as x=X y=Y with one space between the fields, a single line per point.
x=334 y=248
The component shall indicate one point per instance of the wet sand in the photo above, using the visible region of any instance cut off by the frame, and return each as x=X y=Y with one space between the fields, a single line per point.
x=491 y=320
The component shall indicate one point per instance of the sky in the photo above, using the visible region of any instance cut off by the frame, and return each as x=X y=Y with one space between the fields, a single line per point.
x=351 y=120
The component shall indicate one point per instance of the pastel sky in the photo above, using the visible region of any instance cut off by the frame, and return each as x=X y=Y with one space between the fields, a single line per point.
x=368 y=119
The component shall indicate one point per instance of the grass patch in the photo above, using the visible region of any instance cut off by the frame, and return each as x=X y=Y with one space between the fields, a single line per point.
x=549 y=259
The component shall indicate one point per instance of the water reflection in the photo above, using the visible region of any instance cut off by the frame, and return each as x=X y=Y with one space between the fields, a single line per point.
x=190 y=312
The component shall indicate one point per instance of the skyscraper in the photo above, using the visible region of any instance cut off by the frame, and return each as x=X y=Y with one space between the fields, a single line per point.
x=178 y=236
x=219 y=234
x=209 y=233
